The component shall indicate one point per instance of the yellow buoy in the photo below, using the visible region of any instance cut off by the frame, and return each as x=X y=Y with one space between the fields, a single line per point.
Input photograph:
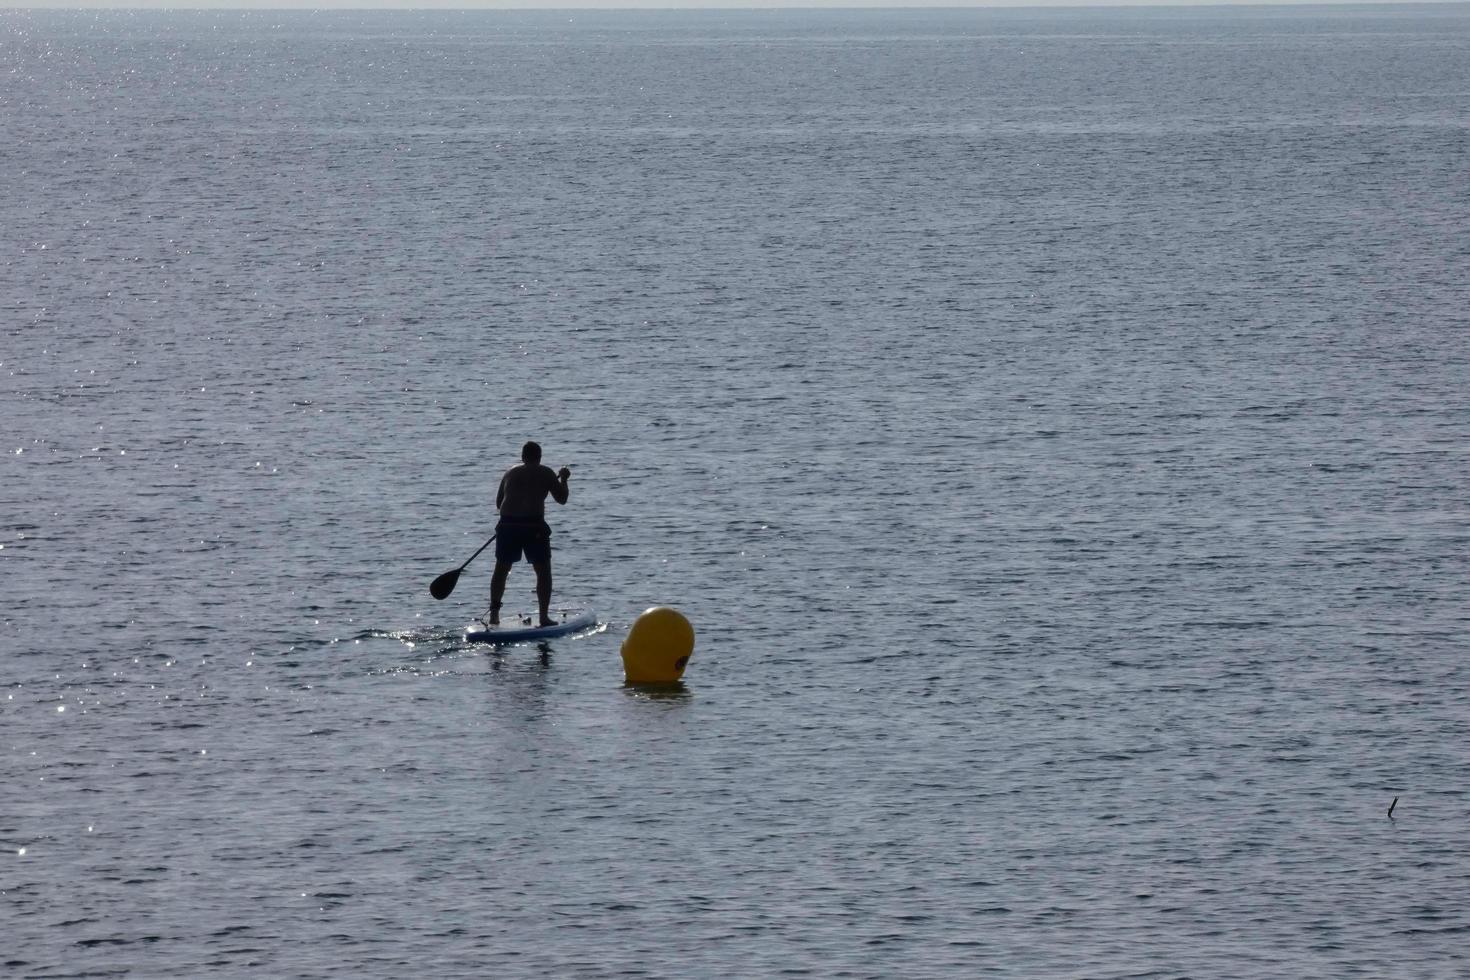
x=658 y=646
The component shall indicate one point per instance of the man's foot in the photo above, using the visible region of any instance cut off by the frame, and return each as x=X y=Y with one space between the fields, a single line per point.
x=545 y=621
x=493 y=619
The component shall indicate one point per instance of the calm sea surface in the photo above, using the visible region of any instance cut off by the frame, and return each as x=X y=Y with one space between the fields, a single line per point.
x=1055 y=425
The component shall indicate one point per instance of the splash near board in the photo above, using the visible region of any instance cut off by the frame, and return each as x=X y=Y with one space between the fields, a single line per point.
x=516 y=629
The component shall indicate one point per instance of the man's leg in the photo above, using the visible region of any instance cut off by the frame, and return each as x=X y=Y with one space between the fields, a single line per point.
x=543 y=589
x=497 y=590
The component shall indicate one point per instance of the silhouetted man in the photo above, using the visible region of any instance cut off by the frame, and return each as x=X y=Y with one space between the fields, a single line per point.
x=522 y=528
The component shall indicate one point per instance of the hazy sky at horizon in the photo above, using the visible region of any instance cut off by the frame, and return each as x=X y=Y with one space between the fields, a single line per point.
x=642 y=4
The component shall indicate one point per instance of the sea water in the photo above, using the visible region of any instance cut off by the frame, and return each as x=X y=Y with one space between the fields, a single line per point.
x=1053 y=423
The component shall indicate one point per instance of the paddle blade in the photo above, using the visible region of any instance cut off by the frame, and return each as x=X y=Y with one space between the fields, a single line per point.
x=444 y=584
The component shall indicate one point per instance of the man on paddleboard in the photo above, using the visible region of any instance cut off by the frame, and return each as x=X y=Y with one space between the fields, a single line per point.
x=521 y=501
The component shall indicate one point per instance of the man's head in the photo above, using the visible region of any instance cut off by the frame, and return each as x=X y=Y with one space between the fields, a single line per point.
x=531 y=453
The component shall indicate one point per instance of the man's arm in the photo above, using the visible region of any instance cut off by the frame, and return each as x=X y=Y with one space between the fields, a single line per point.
x=500 y=494
x=559 y=489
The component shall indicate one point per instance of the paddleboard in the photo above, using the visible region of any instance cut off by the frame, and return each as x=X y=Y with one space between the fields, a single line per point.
x=516 y=629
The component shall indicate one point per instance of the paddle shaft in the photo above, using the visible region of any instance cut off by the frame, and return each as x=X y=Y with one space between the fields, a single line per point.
x=444 y=584
x=477 y=552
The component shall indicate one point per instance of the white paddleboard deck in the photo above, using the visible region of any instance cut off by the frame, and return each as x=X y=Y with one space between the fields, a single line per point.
x=523 y=629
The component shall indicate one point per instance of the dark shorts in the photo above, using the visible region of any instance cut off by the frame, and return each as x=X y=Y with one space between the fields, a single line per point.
x=514 y=537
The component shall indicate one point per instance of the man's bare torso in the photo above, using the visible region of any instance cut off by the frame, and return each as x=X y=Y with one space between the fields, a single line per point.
x=523 y=491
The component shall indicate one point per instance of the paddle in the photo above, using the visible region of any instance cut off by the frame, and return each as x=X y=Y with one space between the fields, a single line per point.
x=444 y=584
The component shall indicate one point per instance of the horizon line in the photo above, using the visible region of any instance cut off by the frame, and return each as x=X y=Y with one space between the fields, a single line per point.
x=615 y=6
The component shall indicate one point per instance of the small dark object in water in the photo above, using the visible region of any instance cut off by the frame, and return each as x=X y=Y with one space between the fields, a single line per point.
x=1391 y=806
